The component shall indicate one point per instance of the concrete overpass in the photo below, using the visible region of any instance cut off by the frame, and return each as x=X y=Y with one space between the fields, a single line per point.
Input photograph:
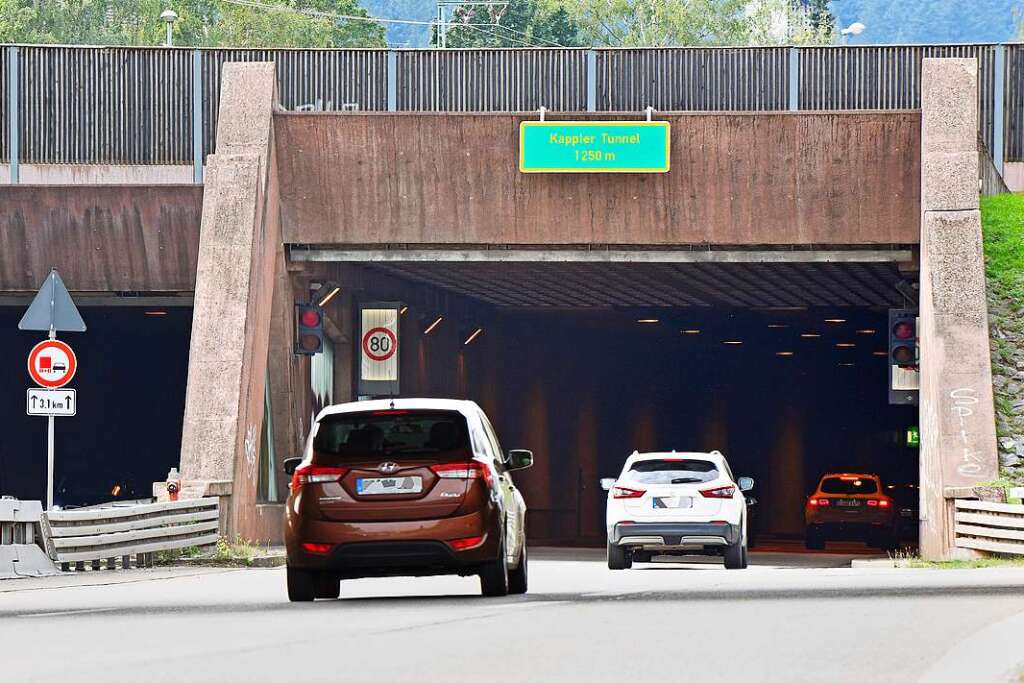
x=761 y=212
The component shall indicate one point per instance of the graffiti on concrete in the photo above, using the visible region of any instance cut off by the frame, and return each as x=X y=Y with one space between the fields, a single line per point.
x=972 y=461
x=250 y=450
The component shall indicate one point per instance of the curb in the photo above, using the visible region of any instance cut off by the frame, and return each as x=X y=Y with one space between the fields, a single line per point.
x=263 y=562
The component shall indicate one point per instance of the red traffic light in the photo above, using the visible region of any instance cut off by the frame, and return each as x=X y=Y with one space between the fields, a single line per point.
x=903 y=330
x=309 y=318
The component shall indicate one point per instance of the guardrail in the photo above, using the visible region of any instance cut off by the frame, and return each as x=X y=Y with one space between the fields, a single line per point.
x=19 y=553
x=991 y=527
x=112 y=533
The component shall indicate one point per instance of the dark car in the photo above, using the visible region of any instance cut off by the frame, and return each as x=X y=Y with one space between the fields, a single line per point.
x=907 y=498
x=409 y=487
x=850 y=506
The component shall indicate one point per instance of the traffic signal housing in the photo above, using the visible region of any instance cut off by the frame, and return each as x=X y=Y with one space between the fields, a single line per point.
x=903 y=357
x=309 y=329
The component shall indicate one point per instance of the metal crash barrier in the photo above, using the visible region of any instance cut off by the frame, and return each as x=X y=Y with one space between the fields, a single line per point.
x=990 y=527
x=20 y=554
x=75 y=537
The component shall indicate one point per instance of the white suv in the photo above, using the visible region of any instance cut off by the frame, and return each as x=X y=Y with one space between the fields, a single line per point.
x=676 y=504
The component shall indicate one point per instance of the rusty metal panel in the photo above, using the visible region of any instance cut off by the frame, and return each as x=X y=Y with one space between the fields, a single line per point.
x=693 y=79
x=105 y=105
x=307 y=80
x=886 y=77
x=102 y=237
x=1014 y=103
x=739 y=179
x=502 y=80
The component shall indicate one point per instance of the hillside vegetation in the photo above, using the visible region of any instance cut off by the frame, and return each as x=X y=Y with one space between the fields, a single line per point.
x=1003 y=225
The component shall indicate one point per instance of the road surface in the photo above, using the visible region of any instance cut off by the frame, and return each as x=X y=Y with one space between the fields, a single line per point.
x=789 y=617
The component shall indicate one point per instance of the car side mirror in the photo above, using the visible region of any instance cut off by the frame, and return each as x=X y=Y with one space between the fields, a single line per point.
x=519 y=459
x=291 y=464
x=745 y=483
x=607 y=483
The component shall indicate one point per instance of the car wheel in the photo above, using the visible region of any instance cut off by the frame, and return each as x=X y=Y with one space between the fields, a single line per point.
x=814 y=539
x=494 y=576
x=328 y=587
x=517 y=577
x=619 y=557
x=642 y=557
x=735 y=556
x=301 y=586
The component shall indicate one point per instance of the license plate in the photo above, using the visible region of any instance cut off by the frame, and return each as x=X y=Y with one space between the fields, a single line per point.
x=848 y=503
x=675 y=502
x=383 y=485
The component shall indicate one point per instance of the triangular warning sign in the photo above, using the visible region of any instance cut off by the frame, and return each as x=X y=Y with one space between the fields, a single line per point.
x=52 y=307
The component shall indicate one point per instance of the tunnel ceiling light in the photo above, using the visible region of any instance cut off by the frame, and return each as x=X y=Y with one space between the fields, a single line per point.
x=156 y=313
x=845 y=345
x=732 y=342
x=846 y=365
x=835 y=320
x=777 y=326
x=471 y=337
x=693 y=331
x=647 y=321
x=330 y=291
x=785 y=354
x=403 y=310
x=433 y=325
x=866 y=331
x=879 y=353
x=810 y=335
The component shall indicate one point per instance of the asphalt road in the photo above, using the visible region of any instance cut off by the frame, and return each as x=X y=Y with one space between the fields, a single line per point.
x=787 y=618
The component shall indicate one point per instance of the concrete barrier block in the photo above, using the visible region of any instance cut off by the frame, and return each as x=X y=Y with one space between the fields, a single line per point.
x=949 y=106
x=949 y=181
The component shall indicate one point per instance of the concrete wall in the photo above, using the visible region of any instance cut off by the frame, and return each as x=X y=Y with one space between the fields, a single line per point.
x=736 y=179
x=101 y=238
x=958 y=439
x=99 y=174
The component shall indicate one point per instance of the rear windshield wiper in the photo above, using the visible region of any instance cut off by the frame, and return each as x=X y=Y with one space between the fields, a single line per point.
x=687 y=480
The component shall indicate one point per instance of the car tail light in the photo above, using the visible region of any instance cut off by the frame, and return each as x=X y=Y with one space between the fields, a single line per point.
x=317 y=548
x=466 y=543
x=720 y=492
x=872 y=502
x=463 y=470
x=818 y=502
x=314 y=474
x=626 y=492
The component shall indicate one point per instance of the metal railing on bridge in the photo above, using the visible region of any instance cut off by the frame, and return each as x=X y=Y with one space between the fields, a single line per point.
x=117 y=105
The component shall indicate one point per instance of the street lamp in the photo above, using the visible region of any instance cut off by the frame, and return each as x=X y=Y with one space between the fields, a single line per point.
x=854 y=29
x=169 y=16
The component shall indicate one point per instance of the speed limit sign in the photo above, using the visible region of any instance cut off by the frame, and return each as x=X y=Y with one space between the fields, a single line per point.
x=379 y=349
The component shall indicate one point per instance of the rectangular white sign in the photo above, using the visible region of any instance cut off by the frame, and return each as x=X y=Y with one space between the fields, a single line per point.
x=379 y=345
x=46 y=402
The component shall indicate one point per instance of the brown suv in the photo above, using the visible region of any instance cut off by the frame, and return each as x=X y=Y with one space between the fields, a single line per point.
x=404 y=487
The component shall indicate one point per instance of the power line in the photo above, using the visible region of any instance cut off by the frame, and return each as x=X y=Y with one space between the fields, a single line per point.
x=355 y=17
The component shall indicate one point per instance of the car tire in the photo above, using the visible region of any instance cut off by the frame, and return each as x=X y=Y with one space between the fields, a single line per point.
x=494 y=576
x=301 y=585
x=619 y=557
x=328 y=587
x=814 y=539
x=517 y=578
x=736 y=556
x=642 y=557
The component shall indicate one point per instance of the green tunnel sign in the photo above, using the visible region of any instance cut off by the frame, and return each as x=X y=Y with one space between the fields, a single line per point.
x=594 y=146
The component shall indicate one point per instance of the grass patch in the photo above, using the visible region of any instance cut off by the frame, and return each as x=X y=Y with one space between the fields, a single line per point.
x=1003 y=227
x=165 y=557
x=228 y=552
x=981 y=563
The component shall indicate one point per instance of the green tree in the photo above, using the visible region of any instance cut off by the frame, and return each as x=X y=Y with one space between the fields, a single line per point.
x=520 y=23
x=211 y=23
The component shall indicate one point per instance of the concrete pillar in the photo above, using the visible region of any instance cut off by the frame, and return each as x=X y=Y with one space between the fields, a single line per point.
x=239 y=239
x=958 y=439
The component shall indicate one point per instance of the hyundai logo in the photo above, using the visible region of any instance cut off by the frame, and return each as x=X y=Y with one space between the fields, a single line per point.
x=388 y=467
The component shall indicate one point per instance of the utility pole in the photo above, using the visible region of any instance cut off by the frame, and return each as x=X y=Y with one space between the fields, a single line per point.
x=442 y=21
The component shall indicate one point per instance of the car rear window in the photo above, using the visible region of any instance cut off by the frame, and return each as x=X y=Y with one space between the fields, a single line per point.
x=673 y=471
x=417 y=434
x=849 y=485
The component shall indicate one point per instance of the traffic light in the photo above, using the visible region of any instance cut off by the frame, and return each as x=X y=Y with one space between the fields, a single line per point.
x=309 y=329
x=903 y=357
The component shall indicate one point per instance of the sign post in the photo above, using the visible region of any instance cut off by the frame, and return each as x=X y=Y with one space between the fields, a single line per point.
x=52 y=363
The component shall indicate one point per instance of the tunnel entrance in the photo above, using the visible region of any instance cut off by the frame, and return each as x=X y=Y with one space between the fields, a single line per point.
x=130 y=384
x=781 y=366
